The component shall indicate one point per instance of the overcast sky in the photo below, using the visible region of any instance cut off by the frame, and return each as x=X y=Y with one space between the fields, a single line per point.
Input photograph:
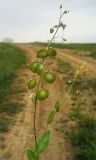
x=30 y=20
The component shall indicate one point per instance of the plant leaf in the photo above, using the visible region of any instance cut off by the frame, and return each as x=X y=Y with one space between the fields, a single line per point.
x=50 y=117
x=42 y=142
x=31 y=155
x=57 y=106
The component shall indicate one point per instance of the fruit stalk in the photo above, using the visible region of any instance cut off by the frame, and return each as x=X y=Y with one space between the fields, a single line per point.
x=34 y=119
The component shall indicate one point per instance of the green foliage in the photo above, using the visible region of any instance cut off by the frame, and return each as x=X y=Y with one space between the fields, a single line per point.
x=75 y=112
x=42 y=144
x=57 y=106
x=62 y=66
x=31 y=155
x=4 y=124
x=50 y=117
x=83 y=139
x=93 y=54
x=10 y=108
x=11 y=58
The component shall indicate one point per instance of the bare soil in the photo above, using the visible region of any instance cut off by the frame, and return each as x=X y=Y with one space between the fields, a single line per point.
x=20 y=137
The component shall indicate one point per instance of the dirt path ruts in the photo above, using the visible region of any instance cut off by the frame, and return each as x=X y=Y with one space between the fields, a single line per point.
x=75 y=60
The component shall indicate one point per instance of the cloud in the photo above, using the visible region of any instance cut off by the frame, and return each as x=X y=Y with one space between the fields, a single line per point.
x=27 y=20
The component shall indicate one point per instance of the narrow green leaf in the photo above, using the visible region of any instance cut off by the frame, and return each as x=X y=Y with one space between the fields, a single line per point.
x=31 y=155
x=57 y=106
x=42 y=142
x=50 y=117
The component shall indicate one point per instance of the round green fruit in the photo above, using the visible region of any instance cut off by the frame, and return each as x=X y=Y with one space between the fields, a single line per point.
x=42 y=94
x=33 y=66
x=42 y=53
x=40 y=69
x=51 y=30
x=51 y=52
x=49 y=77
x=32 y=84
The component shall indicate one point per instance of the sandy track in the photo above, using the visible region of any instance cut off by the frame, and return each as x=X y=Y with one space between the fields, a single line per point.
x=75 y=60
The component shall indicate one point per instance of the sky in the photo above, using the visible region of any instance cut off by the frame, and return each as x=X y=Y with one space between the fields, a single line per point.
x=31 y=20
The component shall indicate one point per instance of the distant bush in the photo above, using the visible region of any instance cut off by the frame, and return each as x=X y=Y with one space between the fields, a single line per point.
x=93 y=54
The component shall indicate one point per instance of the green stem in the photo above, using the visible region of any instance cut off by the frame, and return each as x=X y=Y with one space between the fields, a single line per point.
x=35 y=111
x=55 y=31
x=53 y=37
x=71 y=86
x=35 y=132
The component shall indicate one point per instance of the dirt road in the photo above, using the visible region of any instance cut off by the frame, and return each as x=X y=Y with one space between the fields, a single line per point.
x=20 y=136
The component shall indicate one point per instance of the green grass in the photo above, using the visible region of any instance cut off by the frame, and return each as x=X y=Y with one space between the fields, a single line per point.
x=73 y=46
x=83 y=138
x=62 y=66
x=10 y=108
x=11 y=58
x=4 y=124
x=93 y=54
x=75 y=111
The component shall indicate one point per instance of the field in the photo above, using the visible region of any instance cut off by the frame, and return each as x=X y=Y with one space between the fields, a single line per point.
x=73 y=132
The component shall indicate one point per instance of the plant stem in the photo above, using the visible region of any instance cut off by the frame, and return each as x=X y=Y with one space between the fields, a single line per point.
x=70 y=88
x=58 y=26
x=34 y=119
x=35 y=134
x=53 y=37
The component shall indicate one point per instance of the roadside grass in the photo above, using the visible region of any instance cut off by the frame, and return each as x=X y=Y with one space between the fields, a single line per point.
x=83 y=138
x=75 y=111
x=4 y=124
x=73 y=46
x=62 y=66
x=11 y=59
x=10 y=108
x=84 y=84
x=93 y=54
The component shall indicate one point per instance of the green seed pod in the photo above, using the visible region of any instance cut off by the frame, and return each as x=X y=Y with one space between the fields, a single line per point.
x=51 y=52
x=40 y=69
x=49 y=77
x=51 y=30
x=33 y=66
x=42 y=94
x=42 y=53
x=32 y=84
